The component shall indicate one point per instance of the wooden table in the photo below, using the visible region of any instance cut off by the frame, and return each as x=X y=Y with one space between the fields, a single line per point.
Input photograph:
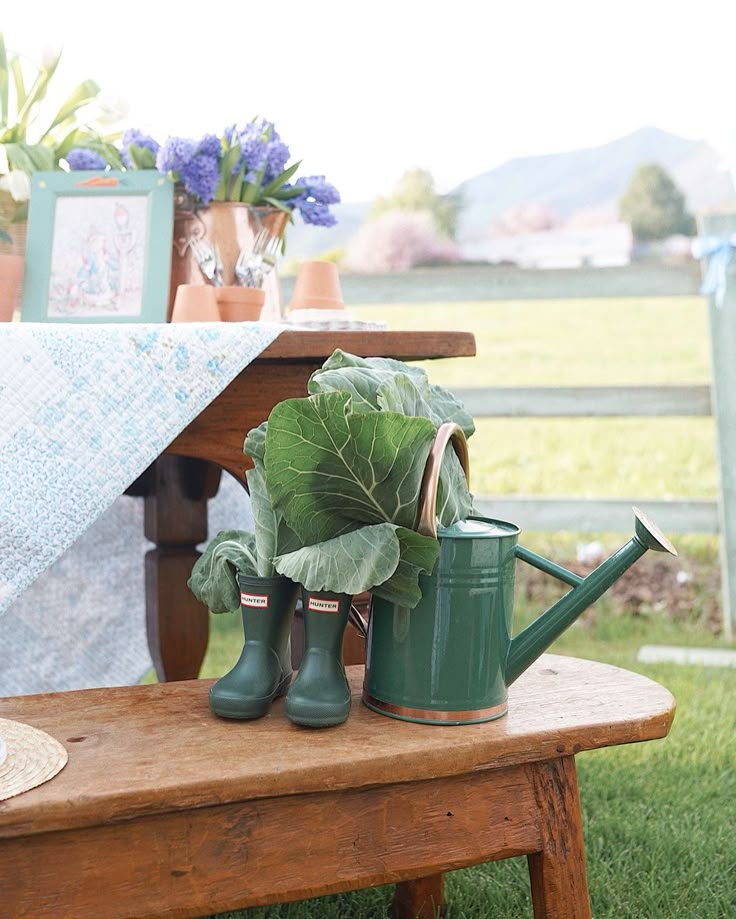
x=164 y=809
x=176 y=488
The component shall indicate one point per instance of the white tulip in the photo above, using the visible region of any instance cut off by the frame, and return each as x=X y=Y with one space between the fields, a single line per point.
x=49 y=56
x=4 y=166
x=112 y=108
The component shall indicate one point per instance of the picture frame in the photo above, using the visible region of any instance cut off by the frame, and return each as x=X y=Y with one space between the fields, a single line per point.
x=98 y=247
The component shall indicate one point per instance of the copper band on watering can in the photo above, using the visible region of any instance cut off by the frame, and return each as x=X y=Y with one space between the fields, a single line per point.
x=430 y=714
x=446 y=433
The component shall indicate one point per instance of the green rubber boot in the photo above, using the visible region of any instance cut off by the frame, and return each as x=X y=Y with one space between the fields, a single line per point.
x=319 y=697
x=263 y=671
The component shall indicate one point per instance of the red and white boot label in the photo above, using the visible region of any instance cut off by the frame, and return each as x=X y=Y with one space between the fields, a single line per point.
x=259 y=600
x=320 y=605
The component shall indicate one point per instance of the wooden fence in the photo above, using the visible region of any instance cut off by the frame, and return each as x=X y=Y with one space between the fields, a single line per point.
x=685 y=516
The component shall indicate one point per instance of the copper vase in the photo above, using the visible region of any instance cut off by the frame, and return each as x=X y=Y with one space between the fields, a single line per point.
x=231 y=227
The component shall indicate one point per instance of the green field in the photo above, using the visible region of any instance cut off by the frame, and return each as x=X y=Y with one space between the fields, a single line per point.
x=659 y=817
x=580 y=343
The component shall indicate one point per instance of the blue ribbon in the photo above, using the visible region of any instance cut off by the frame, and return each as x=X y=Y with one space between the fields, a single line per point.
x=718 y=251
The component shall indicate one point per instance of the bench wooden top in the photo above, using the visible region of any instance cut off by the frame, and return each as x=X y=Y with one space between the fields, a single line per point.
x=150 y=749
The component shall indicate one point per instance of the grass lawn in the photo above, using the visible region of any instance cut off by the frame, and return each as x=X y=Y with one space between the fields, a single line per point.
x=659 y=817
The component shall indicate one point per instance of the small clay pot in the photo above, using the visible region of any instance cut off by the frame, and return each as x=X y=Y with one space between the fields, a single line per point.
x=317 y=286
x=11 y=284
x=240 y=304
x=195 y=303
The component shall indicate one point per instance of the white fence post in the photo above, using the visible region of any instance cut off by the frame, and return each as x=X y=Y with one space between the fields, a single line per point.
x=722 y=318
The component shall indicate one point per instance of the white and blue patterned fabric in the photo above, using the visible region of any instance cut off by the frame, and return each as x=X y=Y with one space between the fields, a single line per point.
x=84 y=409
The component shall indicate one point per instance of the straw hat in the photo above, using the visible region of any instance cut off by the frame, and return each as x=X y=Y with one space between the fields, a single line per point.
x=28 y=757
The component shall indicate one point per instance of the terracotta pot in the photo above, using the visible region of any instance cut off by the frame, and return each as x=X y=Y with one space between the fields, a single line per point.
x=232 y=228
x=11 y=284
x=195 y=303
x=317 y=286
x=240 y=304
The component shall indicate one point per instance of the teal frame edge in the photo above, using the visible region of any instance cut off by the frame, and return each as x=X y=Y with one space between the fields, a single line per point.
x=48 y=187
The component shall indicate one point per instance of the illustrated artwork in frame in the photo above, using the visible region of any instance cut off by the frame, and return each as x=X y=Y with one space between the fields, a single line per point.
x=99 y=247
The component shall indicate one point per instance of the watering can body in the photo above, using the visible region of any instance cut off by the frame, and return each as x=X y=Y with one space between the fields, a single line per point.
x=444 y=661
x=451 y=659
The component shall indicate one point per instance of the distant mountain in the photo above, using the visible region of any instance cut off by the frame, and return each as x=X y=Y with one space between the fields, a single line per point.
x=594 y=177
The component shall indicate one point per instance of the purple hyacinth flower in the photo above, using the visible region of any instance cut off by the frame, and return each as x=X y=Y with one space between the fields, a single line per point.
x=138 y=139
x=175 y=154
x=82 y=158
x=315 y=213
x=210 y=146
x=201 y=176
x=320 y=190
x=277 y=156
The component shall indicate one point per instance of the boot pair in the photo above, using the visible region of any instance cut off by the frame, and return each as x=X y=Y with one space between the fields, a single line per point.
x=320 y=694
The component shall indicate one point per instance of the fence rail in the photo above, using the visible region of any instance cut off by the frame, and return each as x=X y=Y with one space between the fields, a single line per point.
x=588 y=401
x=593 y=514
x=718 y=400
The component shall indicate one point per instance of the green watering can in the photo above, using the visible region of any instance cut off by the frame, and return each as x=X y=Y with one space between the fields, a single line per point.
x=451 y=659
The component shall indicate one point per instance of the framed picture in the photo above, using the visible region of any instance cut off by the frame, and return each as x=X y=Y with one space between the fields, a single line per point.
x=99 y=247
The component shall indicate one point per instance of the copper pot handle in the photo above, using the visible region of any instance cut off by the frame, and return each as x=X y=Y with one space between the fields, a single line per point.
x=427 y=514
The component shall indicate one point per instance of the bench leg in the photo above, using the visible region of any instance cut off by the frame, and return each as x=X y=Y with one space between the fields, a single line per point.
x=557 y=873
x=422 y=898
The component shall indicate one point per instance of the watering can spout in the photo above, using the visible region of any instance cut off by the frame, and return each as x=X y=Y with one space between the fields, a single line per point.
x=536 y=638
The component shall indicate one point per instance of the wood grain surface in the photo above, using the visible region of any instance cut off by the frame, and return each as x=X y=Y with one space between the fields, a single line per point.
x=272 y=850
x=151 y=749
x=404 y=345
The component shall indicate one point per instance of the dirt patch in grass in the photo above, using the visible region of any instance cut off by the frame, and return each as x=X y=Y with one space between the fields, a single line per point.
x=685 y=589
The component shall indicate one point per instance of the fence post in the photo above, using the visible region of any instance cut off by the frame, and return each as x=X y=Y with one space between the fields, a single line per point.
x=722 y=321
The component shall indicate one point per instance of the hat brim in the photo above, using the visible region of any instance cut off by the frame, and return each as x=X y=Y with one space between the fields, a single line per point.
x=32 y=757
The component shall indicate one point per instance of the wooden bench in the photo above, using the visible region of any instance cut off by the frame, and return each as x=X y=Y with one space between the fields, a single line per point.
x=165 y=810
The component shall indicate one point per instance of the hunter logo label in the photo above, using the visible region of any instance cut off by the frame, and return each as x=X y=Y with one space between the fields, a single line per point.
x=319 y=605
x=260 y=600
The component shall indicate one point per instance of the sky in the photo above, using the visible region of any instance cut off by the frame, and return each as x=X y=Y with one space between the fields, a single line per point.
x=363 y=92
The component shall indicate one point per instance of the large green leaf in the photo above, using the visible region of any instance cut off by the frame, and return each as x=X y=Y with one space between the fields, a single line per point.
x=389 y=385
x=348 y=564
x=417 y=554
x=402 y=394
x=214 y=577
x=271 y=532
x=380 y=554
x=359 y=376
x=329 y=468
x=265 y=520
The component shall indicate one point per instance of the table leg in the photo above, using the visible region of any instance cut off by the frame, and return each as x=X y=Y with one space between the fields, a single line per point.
x=557 y=873
x=176 y=521
x=422 y=898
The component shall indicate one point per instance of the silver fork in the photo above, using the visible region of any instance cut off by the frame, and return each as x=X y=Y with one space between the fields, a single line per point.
x=248 y=263
x=219 y=267
x=205 y=258
x=270 y=253
x=252 y=267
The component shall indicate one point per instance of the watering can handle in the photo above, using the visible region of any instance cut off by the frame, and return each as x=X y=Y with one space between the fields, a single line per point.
x=427 y=514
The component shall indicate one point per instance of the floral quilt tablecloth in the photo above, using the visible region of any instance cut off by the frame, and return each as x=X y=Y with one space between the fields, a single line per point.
x=84 y=409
